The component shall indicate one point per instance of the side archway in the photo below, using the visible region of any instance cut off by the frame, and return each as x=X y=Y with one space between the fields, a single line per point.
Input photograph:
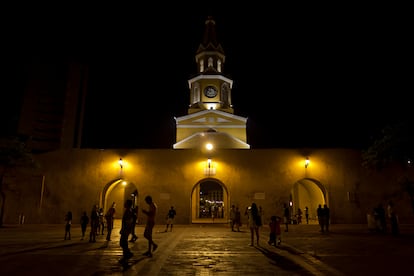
x=307 y=192
x=118 y=190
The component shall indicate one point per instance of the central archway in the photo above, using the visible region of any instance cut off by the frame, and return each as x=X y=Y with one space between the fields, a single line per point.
x=209 y=202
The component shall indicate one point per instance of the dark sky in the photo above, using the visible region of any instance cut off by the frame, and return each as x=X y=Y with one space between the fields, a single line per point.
x=329 y=77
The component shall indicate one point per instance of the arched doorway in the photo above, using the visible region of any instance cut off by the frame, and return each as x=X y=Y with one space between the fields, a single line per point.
x=118 y=191
x=209 y=202
x=307 y=192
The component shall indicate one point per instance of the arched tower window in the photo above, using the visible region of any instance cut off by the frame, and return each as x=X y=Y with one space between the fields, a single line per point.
x=202 y=65
x=225 y=94
x=195 y=94
x=219 y=65
x=210 y=62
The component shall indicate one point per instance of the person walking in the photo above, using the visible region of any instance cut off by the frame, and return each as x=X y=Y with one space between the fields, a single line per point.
x=109 y=217
x=126 y=230
x=68 y=223
x=84 y=221
x=170 y=218
x=134 y=237
x=286 y=216
x=254 y=221
x=151 y=212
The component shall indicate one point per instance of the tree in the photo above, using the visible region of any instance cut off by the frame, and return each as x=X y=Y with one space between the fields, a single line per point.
x=13 y=154
x=394 y=146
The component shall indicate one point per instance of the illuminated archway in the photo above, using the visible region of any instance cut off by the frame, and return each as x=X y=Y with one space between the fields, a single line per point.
x=118 y=190
x=307 y=192
x=209 y=202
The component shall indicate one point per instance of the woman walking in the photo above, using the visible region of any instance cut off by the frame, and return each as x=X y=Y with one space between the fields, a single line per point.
x=254 y=222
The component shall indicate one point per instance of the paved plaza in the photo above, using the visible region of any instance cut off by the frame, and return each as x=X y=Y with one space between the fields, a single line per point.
x=201 y=249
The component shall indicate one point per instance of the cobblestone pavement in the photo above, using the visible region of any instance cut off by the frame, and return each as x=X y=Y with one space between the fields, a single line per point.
x=208 y=250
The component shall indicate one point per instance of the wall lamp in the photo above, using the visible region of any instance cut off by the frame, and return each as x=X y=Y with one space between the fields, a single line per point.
x=121 y=163
x=307 y=162
x=209 y=169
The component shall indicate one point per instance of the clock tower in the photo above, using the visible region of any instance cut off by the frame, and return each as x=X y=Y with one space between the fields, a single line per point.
x=210 y=89
x=210 y=114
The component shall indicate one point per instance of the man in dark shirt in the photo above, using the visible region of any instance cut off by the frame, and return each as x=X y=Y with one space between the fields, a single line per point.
x=126 y=230
x=170 y=218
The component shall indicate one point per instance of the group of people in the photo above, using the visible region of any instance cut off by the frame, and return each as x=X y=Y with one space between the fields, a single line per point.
x=255 y=216
x=235 y=218
x=255 y=221
x=129 y=219
x=96 y=220
x=324 y=217
x=379 y=219
x=128 y=223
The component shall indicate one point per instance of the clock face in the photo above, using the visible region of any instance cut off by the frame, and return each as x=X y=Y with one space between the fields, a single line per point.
x=210 y=91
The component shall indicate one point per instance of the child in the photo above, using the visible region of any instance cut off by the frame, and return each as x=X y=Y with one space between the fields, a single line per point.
x=274 y=236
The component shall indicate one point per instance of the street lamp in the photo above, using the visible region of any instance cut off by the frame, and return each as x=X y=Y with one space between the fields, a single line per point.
x=307 y=161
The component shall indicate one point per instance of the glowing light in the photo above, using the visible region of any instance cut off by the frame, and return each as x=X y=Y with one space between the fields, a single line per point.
x=307 y=161
x=209 y=146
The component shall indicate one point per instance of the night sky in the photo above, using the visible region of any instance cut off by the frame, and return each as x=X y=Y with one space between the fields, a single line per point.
x=329 y=77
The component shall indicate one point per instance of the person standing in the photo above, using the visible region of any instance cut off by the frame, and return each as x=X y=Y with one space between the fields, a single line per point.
x=170 y=218
x=101 y=225
x=307 y=214
x=299 y=216
x=286 y=216
x=84 y=221
x=68 y=220
x=392 y=215
x=134 y=237
x=94 y=218
x=151 y=212
x=382 y=223
x=237 y=219
x=254 y=222
x=326 y=217
x=109 y=217
x=274 y=227
x=321 y=220
x=232 y=216
x=126 y=230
